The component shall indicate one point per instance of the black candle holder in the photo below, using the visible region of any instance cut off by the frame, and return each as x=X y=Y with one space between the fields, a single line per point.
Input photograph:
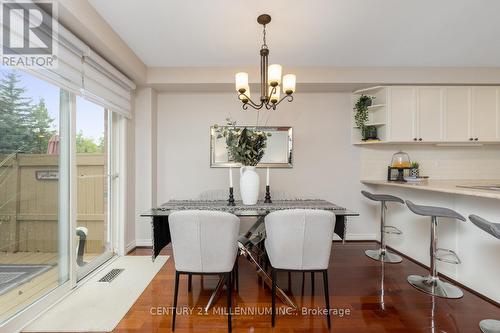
x=230 y=201
x=268 y=195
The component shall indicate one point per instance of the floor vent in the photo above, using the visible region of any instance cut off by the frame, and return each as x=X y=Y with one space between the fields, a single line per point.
x=111 y=275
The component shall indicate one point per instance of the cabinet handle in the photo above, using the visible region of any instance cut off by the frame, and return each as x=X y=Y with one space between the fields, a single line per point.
x=471 y=139
x=476 y=139
x=414 y=139
x=420 y=139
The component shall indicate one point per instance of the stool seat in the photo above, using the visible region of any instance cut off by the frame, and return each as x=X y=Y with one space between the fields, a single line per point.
x=491 y=228
x=432 y=284
x=487 y=325
x=382 y=197
x=383 y=254
x=434 y=211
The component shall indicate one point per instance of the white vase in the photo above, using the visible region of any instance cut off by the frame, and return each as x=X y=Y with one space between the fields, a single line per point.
x=249 y=185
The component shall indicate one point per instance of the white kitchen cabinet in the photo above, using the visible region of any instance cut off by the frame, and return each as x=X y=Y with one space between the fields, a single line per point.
x=484 y=124
x=457 y=114
x=429 y=116
x=402 y=107
x=439 y=114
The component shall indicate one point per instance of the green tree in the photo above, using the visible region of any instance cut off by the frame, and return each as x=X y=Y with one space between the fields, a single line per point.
x=86 y=145
x=15 y=115
x=41 y=124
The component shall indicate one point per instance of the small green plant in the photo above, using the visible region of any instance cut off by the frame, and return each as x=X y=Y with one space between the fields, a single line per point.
x=244 y=145
x=415 y=165
x=361 y=107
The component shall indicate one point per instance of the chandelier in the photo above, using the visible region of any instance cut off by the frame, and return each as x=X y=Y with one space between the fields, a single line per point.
x=270 y=79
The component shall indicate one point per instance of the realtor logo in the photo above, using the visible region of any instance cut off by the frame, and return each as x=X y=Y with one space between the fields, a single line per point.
x=28 y=30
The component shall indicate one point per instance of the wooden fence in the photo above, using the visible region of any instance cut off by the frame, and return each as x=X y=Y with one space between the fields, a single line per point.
x=29 y=189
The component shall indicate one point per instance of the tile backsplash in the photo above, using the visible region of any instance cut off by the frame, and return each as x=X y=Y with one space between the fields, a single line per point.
x=465 y=162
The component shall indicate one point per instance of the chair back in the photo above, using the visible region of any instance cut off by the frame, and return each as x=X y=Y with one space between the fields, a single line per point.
x=299 y=239
x=204 y=241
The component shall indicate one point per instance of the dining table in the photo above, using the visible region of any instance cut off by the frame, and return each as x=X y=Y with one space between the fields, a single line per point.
x=250 y=243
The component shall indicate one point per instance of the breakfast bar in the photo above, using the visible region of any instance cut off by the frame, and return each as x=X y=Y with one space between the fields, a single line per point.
x=477 y=252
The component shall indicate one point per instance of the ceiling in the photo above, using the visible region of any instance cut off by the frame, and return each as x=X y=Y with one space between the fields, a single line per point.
x=343 y=33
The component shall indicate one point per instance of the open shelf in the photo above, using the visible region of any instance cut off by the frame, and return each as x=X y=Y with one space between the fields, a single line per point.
x=375 y=106
x=372 y=124
x=370 y=90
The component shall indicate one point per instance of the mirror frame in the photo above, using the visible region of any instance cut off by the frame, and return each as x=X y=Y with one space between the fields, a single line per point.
x=285 y=165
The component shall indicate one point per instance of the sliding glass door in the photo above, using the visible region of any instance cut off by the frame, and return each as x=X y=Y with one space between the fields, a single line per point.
x=34 y=190
x=93 y=187
x=56 y=184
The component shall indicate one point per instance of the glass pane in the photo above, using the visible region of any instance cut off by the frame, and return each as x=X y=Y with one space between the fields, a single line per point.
x=33 y=246
x=93 y=233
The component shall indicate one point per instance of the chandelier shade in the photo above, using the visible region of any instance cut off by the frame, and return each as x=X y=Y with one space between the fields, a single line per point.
x=270 y=79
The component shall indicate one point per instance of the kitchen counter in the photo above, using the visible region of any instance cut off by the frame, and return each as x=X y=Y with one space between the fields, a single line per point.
x=446 y=186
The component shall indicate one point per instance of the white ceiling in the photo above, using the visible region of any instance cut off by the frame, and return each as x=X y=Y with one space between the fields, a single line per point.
x=346 y=33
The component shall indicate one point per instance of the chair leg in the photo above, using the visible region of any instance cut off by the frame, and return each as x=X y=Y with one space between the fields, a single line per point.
x=327 y=297
x=312 y=283
x=190 y=282
x=176 y=292
x=273 y=297
x=229 y=286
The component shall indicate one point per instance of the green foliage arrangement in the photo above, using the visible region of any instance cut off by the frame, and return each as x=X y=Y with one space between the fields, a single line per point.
x=415 y=165
x=244 y=145
x=361 y=107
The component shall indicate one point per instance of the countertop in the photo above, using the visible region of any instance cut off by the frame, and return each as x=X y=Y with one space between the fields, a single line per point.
x=446 y=186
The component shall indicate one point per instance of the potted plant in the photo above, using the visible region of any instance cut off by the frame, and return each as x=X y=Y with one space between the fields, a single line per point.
x=369 y=133
x=414 y=171
x=245 y=146
x=361 y=117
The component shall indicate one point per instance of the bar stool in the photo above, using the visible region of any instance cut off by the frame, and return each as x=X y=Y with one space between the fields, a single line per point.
x=431 y=284
x=488 y=325
x=383 y=254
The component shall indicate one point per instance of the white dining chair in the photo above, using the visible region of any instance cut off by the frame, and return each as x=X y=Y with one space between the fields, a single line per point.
x=204 y=243
x=299 y=240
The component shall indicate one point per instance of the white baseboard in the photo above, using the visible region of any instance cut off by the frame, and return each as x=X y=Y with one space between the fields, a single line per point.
x=349 y=236
x=361 y=237
x=143 y=242
x=130 y=246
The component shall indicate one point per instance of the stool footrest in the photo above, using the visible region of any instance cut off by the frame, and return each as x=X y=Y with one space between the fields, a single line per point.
x=445 y=254
x=389 y=229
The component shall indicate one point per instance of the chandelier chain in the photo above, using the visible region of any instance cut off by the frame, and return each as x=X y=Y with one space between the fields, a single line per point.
x=264 y=45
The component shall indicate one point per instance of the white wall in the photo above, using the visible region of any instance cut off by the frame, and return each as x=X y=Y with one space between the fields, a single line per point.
x=326 y=165
x=145 y=162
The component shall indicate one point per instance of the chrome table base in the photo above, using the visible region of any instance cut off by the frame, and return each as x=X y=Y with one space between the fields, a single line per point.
x=384 y=256
x=490 y=326
x=434 y=286
x=251 y=240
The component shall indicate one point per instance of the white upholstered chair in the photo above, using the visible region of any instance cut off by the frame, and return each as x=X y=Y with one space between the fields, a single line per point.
x=204 y=242
x=299 y=240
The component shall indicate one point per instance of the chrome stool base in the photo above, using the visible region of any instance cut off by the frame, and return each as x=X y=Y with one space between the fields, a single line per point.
x=490 y=326
x=434 y=286
x=384 y=256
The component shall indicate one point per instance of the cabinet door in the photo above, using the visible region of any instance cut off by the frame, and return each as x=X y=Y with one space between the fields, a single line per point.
x=402 y=105
x=484 y=114
x=430 y=114
x=457 y=114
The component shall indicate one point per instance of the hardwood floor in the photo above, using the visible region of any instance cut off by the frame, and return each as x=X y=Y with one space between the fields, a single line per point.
x=355 y=286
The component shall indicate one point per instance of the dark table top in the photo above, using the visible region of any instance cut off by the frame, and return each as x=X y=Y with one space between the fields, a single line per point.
x=260 y=209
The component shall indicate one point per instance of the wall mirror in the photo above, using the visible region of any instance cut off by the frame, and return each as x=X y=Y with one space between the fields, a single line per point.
x=278 y=152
